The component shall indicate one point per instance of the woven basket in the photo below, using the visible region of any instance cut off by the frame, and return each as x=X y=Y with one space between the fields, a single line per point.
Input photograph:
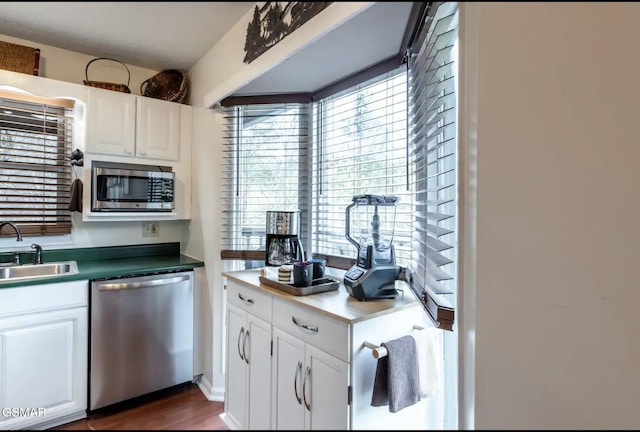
x=170 y=85
x=124 y=88
x=19 y=58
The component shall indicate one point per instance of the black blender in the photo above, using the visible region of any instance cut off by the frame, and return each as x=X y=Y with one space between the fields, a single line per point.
x=375 y=272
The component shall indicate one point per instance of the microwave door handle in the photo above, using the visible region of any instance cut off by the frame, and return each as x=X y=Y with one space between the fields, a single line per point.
x=101 y=188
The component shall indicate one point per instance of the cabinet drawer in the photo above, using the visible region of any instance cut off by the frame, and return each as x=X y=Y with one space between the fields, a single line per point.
x=320 y=331
x=45 y=297
x=251 y=300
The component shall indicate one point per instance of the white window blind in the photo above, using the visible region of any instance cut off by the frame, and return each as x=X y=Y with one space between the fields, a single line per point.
x=360 y=147
x=265 y=168
x=35 y=165
x=433 y=153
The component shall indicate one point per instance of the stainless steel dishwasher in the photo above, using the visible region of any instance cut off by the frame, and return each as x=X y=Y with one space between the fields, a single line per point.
x=141 y=336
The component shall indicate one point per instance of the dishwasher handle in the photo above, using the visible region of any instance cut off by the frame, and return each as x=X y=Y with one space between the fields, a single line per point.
x=142 y=284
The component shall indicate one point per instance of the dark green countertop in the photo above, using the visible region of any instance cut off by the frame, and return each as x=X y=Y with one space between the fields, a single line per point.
x=110 y=262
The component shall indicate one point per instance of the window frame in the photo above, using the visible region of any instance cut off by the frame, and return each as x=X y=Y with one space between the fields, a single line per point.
x=235 y=146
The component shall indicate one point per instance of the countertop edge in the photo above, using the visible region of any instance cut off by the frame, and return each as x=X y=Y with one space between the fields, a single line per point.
x=113 y=268
x=295 y=299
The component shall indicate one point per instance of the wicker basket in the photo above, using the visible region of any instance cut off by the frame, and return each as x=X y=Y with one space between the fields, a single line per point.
x=19 y=58
x=124 y=88
x=170 y=85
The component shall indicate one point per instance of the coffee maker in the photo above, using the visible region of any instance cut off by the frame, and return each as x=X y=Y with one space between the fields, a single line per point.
x=375 y=272
x=283 y=238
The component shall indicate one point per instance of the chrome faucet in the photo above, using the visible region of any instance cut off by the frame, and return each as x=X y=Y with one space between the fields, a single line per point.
x=15 y=228
x=37 y=257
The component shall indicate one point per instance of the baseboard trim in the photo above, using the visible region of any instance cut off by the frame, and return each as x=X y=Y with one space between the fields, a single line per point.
x=212 y=394
x=231 y=424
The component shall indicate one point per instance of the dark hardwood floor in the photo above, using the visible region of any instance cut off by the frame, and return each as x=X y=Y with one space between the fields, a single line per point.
x=180 y=408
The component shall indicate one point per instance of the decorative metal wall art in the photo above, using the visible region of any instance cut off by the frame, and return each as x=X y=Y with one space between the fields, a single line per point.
x=273 y=21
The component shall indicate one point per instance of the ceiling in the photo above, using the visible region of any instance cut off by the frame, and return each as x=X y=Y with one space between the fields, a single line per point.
x=153 y=35
x=175 y=35
x=373 y=35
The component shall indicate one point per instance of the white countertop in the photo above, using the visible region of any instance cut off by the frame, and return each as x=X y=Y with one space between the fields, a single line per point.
x=335 y=304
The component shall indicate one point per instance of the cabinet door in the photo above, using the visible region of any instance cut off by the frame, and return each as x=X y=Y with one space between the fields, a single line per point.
x=43 y=365
x=257 y=354
x=111 y=122
x=288 y=368
x=157 y=129
x=326 y=391
x=235 y=406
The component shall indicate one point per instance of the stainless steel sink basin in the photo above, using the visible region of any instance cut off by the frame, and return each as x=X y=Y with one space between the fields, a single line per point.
x=32 y=271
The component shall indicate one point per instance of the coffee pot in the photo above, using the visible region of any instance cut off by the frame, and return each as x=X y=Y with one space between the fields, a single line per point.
x=283 y=245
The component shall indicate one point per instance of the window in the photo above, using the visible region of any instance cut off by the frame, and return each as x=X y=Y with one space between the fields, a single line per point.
x=359 y=146
x=433 y=161
x=35 y=168
x=266 y=156
x=360 y=141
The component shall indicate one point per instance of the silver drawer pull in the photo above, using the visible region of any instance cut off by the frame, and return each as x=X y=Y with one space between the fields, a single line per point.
x=305 y=326
x=246 y=300
x=295 y=382
x=240 y=336
x=307 y=375
x=244 y=348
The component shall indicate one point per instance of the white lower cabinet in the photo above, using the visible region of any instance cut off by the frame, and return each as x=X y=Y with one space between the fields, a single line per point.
x=301 y=364
x=248 y=377
x=43 y=355
x=310 y=388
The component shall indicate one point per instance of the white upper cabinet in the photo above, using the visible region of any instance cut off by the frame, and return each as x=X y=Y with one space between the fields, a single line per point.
x=122 y=124
x=157 y=129
x=111 y=123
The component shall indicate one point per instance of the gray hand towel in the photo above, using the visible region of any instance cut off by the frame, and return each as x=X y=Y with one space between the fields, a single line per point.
x=396 y=382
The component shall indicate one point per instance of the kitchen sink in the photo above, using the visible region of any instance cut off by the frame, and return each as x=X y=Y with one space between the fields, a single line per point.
x=32 y=271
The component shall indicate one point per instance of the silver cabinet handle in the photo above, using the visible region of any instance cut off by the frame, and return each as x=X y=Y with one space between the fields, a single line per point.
x=143 y=284
x=307 y=374
x=240 y=336
x=295 y=382
x=244 y=342
x=246 y=300
x=305 y=326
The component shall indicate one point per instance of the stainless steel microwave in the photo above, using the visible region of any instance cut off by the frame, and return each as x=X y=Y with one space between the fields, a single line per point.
x=123 y=187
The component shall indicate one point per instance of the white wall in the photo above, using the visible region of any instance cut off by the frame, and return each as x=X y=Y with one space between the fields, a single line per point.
x=69 y=66
x=551 y=101
x=96 y=234
x=219 y=73
x=59 y=68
